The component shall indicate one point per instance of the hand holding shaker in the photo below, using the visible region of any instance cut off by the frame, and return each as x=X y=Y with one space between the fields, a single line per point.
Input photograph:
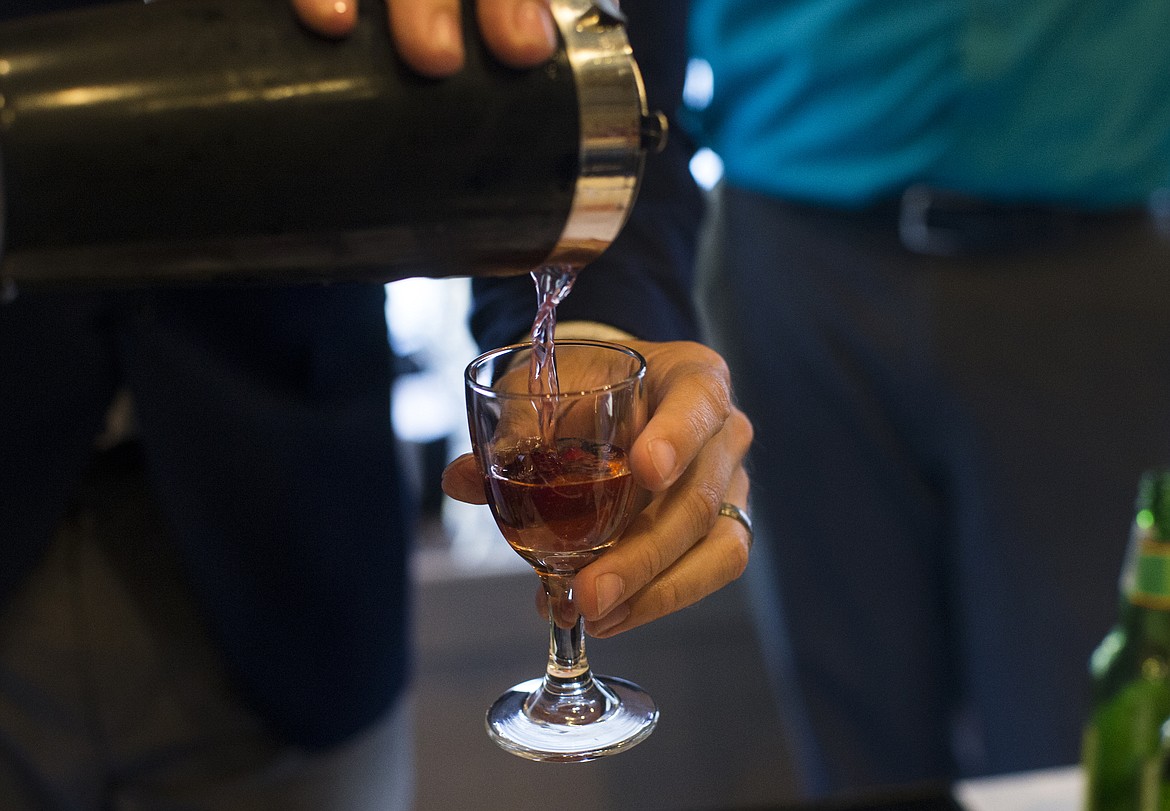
x=207 y=140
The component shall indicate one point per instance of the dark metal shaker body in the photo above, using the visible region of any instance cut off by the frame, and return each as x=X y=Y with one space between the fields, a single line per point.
x=200 y=140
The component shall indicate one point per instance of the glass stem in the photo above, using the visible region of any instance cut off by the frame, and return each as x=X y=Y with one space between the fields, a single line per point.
x=566 y=652
x=568 y=666
x=568 y=695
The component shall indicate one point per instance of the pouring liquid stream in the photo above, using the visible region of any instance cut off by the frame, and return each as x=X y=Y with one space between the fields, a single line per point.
x=553 y=283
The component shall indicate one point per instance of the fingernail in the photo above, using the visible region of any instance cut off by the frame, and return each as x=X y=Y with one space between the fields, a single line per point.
x=664 y=458
x=610 y=588
x=445 y=34
x=534 y=25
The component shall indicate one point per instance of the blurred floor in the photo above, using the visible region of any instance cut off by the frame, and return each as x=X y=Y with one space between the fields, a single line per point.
x=718 y=744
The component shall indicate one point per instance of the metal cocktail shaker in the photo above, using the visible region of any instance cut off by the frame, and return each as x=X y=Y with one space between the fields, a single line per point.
x=203 y=140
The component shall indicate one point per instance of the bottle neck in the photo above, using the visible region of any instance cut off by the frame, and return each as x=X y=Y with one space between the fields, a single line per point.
x=1145 y=576
x=1145 y=589
x=1145 y=579
x=1144 y=623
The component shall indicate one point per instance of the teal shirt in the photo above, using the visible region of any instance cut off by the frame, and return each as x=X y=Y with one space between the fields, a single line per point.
x=849 y=101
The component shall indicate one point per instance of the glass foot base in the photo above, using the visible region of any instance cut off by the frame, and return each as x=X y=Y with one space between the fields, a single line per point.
x=628 y=719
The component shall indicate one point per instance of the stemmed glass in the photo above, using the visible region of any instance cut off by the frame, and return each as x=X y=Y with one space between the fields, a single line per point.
x=552 y=447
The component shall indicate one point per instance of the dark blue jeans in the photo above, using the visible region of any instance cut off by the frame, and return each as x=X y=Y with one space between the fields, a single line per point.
x=946 y=457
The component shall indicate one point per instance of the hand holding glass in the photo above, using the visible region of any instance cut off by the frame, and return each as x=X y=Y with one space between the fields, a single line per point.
x=557 y=479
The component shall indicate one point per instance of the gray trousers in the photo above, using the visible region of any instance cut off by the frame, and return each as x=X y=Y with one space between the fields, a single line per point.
x=113 y=698
x=946 y=458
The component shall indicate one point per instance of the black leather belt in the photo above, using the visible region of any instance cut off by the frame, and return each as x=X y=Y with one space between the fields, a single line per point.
x=937 y=222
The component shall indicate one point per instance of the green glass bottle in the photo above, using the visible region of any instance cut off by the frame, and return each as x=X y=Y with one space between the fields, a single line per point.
x=1122 y=755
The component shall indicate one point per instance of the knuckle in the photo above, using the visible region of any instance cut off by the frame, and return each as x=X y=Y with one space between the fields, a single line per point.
x=668 y=597
x=652 y=560
x=742 y=426
x=712 y=368
x=721 y=400
x=702 y=507
x=711 y=358
x=738 y=554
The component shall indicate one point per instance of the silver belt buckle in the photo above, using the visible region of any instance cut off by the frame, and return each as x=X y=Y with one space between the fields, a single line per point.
x=915 y=228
